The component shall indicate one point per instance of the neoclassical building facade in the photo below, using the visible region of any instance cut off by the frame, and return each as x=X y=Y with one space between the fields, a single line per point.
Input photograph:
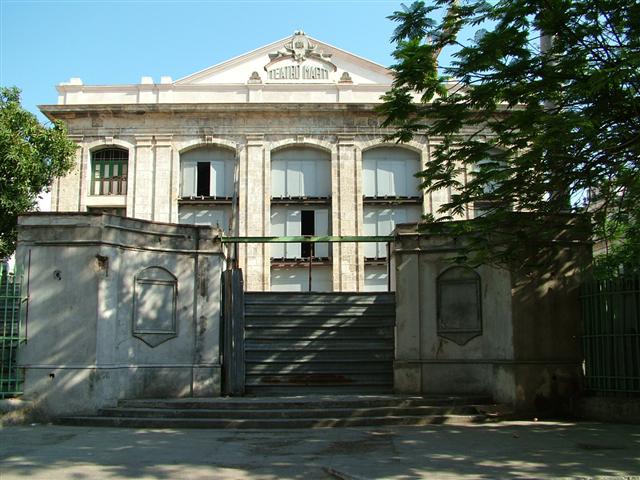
x=282 y=141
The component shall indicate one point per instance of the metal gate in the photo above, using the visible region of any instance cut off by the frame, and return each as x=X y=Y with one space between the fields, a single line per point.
x=12 y=332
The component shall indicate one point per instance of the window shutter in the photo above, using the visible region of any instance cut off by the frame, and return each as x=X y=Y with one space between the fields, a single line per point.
x=370 y=228
x=216 y=185
x=278 y=229
x=294 y=179
x=293 y=229
x=369 y=178
x=189 y=178
x=321 y=228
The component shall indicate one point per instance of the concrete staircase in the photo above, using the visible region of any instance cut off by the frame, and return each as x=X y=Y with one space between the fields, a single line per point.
x=291 y=412
x=319 y=343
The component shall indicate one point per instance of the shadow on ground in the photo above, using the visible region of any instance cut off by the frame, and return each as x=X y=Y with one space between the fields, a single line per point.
x=504 y=450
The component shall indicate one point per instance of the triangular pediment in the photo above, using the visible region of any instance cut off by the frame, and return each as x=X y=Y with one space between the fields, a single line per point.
x=298 y=59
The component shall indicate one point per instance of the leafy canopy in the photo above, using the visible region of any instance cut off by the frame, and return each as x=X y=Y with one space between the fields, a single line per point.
x=545 y=130
x=31 y=155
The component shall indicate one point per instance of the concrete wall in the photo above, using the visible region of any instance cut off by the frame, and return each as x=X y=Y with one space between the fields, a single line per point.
x=83 y=350
x=528 y=352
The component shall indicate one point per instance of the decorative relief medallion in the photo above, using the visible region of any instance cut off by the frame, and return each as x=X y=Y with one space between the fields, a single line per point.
x=299 y=60
x=459 y=304
x=154 y=306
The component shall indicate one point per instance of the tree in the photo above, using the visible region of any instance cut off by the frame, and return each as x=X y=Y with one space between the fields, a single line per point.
x=544 y=130
x=31 y=156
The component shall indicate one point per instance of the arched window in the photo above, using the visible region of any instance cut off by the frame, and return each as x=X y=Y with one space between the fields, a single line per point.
x=109 y=171
x=207 y=186
x=391 y=193
x=492 y=166
x=300 y=189
x=300 y=205
x=300 y=172
x=391 y=196
x=390 y=172
x=207 y=172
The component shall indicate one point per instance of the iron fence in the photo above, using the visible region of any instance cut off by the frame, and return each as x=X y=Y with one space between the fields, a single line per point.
x=11 y=332
x=611 y=335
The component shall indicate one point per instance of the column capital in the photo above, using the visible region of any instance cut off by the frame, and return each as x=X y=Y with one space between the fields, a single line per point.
x=145 y=141
x=346 y=140
x=163 y=140
x=255 y=140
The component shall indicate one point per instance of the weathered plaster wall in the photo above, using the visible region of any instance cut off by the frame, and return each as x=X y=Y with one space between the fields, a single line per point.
x=427 y=363
x=81 y=353
x=528 y=354
x=155 y=135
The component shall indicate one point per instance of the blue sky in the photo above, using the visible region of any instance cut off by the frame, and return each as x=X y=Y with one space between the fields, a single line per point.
x=45 y=42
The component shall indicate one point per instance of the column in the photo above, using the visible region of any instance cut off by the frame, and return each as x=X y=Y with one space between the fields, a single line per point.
x=143 y=181
x=163 y=198
x=345 y=179
x=254 y=207
x=66 y=195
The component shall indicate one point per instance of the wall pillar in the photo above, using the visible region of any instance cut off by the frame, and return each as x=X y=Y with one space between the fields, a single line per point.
x=144 y=185
x=345 y=182
x=255 y=208
x=163 y=195
x=66 y=191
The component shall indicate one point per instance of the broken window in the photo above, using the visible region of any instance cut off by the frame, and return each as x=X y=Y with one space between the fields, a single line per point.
x=207 y=172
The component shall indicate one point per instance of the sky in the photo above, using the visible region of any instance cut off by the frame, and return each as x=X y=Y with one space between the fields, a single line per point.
x=45 y=42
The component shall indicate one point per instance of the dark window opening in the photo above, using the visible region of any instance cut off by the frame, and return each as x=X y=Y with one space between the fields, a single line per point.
x=307 y=227
x=204 y=178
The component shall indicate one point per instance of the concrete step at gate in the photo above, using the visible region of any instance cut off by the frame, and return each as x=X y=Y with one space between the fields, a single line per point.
x=318 y=343
x=290 y=412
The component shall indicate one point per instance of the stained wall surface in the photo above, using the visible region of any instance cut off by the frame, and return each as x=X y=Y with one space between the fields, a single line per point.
x=118 y=308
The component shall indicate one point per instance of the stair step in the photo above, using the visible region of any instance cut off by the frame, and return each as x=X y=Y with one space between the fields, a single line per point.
x=306 y=401
x=335 y=311
x=318 y=368
x=288 y=423
x=318 y=321
x=265 y=298
x=247 y=414
x=318 y=333
x=293 y=357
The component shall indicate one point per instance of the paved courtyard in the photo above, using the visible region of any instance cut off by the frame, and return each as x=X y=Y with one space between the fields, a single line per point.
x=531 y=450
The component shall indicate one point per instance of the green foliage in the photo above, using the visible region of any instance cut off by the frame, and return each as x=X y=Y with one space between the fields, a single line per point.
x=31 y=155
x=541 y=130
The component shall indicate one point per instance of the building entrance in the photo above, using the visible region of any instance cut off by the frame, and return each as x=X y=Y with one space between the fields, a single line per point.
x=293 y=343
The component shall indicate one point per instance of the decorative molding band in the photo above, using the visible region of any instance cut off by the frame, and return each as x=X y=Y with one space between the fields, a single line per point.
x=118 y=366
x=484 y=361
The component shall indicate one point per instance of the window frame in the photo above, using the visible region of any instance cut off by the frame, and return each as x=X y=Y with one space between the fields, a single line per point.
x=98 y=167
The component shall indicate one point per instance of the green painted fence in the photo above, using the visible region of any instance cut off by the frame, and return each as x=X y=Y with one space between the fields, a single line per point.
x=11 y=332
x=611 y=335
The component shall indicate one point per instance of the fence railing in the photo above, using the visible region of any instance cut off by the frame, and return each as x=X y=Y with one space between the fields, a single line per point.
x=309 y=259
x=611 y=335
x=11 y=332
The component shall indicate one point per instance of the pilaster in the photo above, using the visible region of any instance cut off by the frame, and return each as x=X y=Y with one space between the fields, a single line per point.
x=345 y=214
x=256 y=211
x=163 y=195
x=144 y=185
x=67 y=194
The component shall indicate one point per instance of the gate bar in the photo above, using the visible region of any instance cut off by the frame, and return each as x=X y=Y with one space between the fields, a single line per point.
x=309 y=239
